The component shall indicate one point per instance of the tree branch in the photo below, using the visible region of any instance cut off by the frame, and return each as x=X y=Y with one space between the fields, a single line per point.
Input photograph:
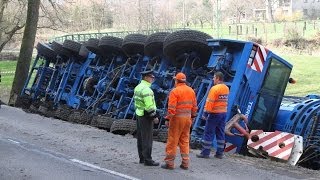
x=51 y=27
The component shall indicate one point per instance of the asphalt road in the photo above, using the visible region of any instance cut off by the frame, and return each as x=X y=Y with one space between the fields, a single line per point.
x=34 y=147
x=24 y=161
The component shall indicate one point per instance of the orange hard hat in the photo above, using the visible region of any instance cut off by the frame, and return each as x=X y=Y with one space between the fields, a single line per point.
x=181 y=77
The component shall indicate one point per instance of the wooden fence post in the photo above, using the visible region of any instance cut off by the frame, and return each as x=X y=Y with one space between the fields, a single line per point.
x=237 y=31
x=255 y=32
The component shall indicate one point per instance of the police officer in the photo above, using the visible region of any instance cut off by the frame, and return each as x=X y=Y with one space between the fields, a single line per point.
x=145 y=109
x=215 y=115
x=182 y=108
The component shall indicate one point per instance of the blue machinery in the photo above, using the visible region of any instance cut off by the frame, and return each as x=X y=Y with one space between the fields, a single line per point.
x=97 y=78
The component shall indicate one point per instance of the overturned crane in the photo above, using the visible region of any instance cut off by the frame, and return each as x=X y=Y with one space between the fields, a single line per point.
x=257 y=79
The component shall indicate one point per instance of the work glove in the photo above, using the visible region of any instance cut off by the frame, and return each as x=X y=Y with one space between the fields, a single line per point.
x=167 y=123
x=156 y=120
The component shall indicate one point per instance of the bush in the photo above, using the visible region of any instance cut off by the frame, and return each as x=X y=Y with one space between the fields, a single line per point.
x=295 y=40
x=278 y=42
x=8 y=56
x=293 y=34
x=298 y=43
x=317 y=39
x=256 y=40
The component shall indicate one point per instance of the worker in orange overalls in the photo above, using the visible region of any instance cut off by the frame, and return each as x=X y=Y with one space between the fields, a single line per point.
x=182 y=108
x=215 y=115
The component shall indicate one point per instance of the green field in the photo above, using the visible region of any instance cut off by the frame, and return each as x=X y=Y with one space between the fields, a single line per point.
x=306 y=72
x=7 y=66
x=6 y=79
x=267 y=32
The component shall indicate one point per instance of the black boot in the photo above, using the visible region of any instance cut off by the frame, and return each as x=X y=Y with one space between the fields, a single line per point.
x=151 y=163
x=165 y=166
x=183 y=167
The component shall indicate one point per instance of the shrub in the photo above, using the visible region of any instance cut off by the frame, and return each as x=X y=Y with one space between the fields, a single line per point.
x=256 y=40
x=292 y=33
x=317 y=39
x=278 y=42
x=295 y=40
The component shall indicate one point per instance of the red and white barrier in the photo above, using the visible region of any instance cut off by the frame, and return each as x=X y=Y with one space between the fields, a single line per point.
x=280 y=145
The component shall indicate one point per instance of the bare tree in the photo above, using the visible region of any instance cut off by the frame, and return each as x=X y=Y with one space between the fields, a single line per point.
x=11 y=20
x=270 y=4
x=204 y=11
x=239 y=9
x=26 y=49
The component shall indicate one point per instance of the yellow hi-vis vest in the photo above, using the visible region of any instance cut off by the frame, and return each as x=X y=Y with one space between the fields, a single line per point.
x=144 y=99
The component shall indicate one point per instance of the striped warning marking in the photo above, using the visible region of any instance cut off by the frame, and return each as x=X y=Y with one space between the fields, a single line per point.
x=258 y=57
x=276 y=144
x=230 y=148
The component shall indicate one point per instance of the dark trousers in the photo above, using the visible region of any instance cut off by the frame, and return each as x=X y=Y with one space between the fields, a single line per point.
x=215 y=125
x=144 y=137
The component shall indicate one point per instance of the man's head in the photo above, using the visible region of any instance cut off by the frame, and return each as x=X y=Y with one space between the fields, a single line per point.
x=180 y=78
x=148 y=76
x=218 y=78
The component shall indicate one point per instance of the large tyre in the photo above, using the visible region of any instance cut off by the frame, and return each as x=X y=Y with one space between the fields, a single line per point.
x=47 y=52
x=23 y=102
x=187 y=41
x=33 y=109
x=76 y=49
x=83 y=54
x=58 y=48
x=111 y=45
x=47 y=110
x=85 y=118
x=34 y=106
x=92 y=45
x=161 y=135
x=43 y=109
x=75 y=116
x=102 y=122
x=50 y=113
x=195 y=145
x=123 y=126
x=63 y=112
x=154 y=44
x=72 y=46
x=133 y=44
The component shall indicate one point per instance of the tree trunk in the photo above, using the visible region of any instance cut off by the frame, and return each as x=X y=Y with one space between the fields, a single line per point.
x=26 y=49
x=270 y=14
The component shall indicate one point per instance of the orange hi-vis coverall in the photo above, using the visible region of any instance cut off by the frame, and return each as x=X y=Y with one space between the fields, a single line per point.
x=215 y=112
x=182 y=106
x=217 y=100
